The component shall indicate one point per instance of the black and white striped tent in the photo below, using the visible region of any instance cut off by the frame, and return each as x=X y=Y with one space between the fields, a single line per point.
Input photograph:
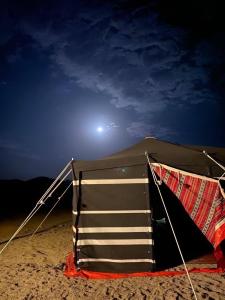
x=114 y=200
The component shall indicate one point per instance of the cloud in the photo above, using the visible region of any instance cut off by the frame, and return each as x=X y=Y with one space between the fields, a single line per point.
x=8 y=145
x=112 y=125
x=16 y=149
x=131 y=55
x=143 y=129
x=44 y=36
x=139 y=61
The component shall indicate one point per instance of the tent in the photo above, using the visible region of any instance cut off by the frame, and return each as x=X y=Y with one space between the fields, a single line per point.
x=119 y=220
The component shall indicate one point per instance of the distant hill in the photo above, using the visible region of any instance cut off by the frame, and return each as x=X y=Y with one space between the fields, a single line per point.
x=18 y=196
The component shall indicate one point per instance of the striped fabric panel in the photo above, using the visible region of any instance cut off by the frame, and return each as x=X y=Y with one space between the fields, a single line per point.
x=201 y=198
x=220 y=223
x=113 y=230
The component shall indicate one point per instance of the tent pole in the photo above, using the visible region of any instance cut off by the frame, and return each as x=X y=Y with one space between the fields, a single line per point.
x=54 y=183
x=216 y=162
x=171 y=225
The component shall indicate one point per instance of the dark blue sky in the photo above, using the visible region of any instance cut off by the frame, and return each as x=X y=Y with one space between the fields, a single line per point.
x=134 y=68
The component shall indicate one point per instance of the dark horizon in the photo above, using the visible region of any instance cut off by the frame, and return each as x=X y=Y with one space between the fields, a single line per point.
x=84 y=79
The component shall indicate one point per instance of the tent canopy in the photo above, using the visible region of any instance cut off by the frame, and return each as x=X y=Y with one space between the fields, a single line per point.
x=187 y=158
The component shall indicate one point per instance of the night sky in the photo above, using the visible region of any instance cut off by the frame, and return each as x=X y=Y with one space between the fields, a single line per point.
x=84 y=79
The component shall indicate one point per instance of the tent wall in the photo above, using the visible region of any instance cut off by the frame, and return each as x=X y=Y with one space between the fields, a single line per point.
x=112 y=220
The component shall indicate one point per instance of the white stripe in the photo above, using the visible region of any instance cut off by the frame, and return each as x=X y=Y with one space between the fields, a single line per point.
x=131 y=211
x=112 y=229
x=220 y=224
x=115 y=242
x=116 y=260
x=111 y=181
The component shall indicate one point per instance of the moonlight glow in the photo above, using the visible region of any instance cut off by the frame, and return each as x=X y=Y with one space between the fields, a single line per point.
x=99 y=129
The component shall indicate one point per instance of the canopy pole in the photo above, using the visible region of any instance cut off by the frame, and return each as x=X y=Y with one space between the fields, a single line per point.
x=216 y=162
x=42 y=200
x=171 y=225
x=38 y=205
x=53 y=184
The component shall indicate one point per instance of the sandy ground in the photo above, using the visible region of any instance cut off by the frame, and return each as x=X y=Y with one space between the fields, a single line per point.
x=9 y=225
x=33 y=269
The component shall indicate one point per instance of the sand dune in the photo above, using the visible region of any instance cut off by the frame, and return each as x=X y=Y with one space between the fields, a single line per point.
x=33 y=269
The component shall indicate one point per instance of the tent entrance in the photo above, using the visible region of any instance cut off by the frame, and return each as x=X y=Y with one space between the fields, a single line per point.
x=112 y=220
x=192 y=241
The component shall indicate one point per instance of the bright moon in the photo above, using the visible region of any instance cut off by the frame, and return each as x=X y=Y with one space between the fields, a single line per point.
x=99 y=129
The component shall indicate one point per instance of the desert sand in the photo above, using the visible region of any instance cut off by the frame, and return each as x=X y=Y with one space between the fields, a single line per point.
x=33 y=269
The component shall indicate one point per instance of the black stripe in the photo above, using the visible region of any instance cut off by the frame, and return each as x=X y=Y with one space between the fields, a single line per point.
x=115 y=220
x=118 y=173
x=116 y=252
x=117 y=267
x=114 y=197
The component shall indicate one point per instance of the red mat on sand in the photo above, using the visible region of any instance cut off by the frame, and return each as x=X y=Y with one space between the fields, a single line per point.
x=71 y=271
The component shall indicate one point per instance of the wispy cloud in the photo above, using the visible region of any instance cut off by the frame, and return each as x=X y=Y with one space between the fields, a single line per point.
x=142 y=129
x=134 y=57
x=17 y=149
x=137 y=59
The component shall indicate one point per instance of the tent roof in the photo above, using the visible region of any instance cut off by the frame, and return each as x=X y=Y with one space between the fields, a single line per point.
x=184 y=157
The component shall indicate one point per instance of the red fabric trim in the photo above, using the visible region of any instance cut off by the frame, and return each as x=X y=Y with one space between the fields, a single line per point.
x=219 y=256
x=71 y=271
x=219 y=235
